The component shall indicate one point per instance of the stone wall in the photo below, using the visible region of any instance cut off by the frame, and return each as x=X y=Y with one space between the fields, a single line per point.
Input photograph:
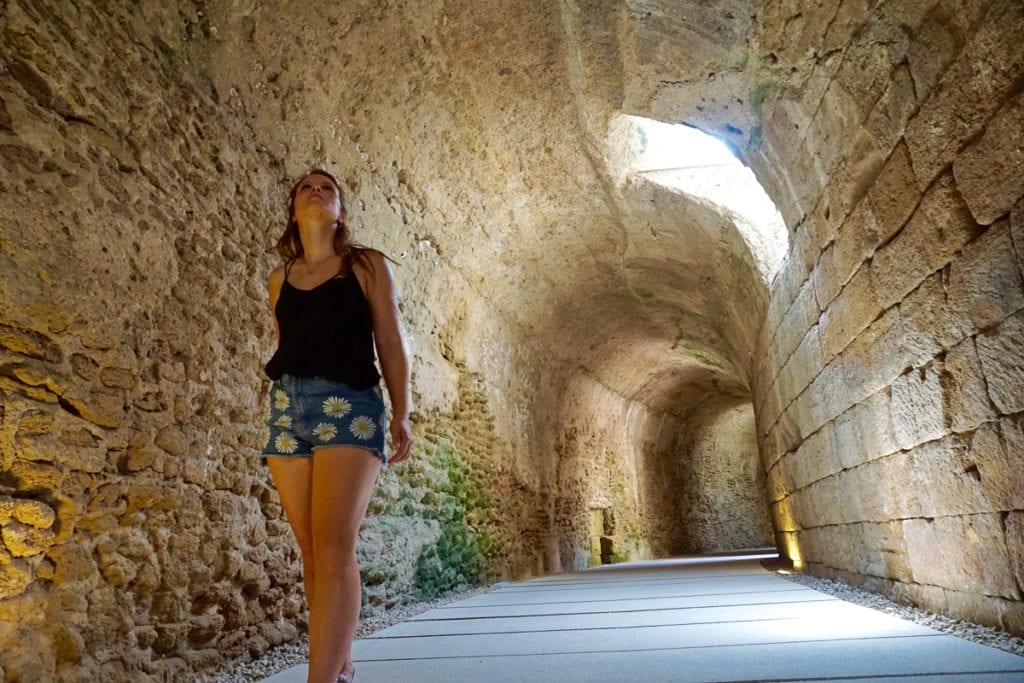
x=146 y=163
x=141 y=536
x=570 y=326
x=889 y=406
x=720 y=482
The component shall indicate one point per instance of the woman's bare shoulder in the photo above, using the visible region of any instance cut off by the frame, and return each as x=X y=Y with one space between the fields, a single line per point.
x=275 y=279
x=370 y=261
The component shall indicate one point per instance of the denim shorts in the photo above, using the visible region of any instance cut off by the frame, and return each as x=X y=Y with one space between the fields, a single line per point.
x=307 y=413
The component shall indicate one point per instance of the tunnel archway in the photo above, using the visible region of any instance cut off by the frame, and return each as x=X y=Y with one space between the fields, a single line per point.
x=560 y=315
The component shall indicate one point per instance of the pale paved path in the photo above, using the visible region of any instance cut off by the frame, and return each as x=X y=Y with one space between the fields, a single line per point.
x=692 y=619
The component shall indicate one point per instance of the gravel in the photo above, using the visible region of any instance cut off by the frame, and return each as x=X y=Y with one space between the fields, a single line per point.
x=297 y=652
x=985 y=635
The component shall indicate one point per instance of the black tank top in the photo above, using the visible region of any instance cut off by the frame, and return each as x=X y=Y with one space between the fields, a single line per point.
x=326 y=331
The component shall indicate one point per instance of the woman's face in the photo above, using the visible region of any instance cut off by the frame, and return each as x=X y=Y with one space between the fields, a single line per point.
x=317 y=198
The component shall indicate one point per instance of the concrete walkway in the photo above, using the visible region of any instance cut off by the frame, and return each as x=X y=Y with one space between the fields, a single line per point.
x=707 y=618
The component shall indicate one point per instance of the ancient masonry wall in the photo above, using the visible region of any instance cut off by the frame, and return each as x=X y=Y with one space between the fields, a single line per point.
x=141 y=537
x=890 y=403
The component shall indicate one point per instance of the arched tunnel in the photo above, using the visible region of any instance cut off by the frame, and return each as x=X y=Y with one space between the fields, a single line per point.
x=595 y=354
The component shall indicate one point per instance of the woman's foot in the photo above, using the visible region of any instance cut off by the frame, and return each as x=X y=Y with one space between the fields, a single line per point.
x=348 y=674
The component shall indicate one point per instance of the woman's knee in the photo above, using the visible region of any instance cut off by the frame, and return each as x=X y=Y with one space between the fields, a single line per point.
x=333 y=556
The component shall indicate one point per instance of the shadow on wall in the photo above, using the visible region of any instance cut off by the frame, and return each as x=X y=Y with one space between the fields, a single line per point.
x=721 y=483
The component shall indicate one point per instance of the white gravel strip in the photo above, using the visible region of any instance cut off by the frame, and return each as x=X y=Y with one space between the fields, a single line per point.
x=985 y=635
x=297 y=652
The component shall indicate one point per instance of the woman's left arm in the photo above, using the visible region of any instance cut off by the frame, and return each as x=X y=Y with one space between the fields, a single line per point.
x=387 y=336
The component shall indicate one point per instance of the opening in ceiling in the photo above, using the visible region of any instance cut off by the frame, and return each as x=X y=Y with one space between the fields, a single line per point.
x=685 y=159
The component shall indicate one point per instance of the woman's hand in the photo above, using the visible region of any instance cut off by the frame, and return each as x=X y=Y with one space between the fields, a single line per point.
x=401 y=440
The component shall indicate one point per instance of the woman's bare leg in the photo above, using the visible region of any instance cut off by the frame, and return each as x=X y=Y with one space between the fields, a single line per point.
x=343 y=479
x=293 y=479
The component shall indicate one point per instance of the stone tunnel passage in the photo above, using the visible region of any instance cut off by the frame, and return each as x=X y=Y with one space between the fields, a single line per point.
x=582 y=337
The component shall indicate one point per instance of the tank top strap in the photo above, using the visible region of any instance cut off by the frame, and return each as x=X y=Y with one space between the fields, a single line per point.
x=287 y=268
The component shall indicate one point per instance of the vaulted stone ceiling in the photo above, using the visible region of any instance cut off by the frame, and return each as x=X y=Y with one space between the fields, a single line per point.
x=585 y=341
x=495 y=121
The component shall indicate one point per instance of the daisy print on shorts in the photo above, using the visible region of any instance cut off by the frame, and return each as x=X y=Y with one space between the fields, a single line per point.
x=336 y=406
x=280 y=400
x=325 y=431
x=363 y=428
x=285 y=443
x=285 y=421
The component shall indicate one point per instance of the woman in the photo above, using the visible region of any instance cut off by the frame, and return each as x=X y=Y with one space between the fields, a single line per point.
x=333 y=303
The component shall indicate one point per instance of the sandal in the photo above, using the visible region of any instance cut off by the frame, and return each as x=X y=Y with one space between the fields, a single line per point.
x=348 y=674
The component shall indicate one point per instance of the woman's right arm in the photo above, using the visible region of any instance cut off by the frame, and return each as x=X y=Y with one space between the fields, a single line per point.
x=274 y=283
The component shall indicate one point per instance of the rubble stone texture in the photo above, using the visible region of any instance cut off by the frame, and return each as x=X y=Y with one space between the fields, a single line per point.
x=582 y=338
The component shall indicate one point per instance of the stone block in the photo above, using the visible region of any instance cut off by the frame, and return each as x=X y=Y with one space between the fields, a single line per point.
x=873 y=503
x=800 y=317
x=937 y=480
x=855 y=242
x=939 y=228
x=961 y=553
x=917 y=408
x=1002 y=358
x=895 y=195
x=985 y=284
x=990 y=172
x=873 y=360
x=783 y=517
x=876 y=437
x=784 y=291
x=854 y=309
x=814 y=460
x=1017 y=233
x=929 y=323
x=978 y=83
x=977 y=609
x=845 y=439
x=832 y=546
x=814 y=407
x=840 y=111
x=775 y=486
x=173 y=440
x=1015 y=544
x=878 y=550
x=805 y=247
x=931 y=598
x=23 y=540
x=888 y=120
x=936 y=43
x=32 y=512
x=964 y=393
x=119 y=378
x=849 y=18
x=802 y=367
x=792 y=34
x=995 y=464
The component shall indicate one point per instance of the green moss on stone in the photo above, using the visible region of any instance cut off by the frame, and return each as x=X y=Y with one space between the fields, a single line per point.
x=457 y=560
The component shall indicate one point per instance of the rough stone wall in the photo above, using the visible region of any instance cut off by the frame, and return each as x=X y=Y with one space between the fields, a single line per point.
x=141 y=536
x=129 y=503
x=889 y=406
x=720 y=497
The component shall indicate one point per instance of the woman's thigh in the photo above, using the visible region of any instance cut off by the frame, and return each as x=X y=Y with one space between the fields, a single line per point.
x=293 y=478
x=343 y=478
